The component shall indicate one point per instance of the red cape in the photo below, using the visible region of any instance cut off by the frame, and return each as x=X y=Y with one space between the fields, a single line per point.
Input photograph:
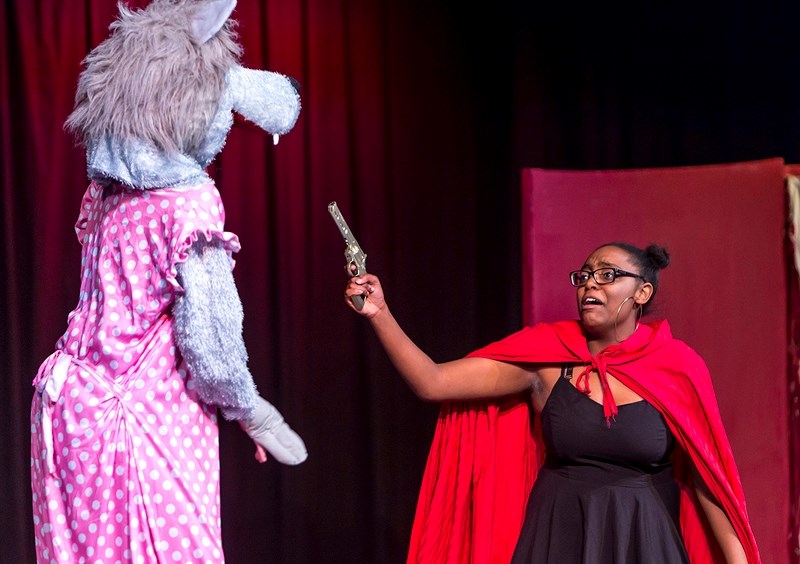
x=486 y=454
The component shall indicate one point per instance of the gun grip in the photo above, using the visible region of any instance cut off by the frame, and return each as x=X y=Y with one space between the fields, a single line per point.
x=358 y=301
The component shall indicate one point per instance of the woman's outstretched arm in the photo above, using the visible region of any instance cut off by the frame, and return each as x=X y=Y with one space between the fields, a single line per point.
x=465 y=378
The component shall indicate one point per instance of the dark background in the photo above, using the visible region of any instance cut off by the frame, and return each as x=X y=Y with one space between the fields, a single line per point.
x=417 y=118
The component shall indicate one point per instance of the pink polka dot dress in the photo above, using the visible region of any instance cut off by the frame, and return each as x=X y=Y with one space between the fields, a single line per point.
x=124 y=457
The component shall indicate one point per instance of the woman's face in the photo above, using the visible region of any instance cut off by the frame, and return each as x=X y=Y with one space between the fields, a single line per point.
x=600 y=306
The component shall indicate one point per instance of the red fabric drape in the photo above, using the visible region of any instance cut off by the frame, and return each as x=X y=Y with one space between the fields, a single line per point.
x=480 y=469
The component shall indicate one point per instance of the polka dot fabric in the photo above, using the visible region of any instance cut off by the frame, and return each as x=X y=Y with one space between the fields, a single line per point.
x=124 y=457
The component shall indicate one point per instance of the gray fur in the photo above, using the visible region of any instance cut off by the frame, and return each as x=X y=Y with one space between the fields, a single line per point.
x=208 y=330
x=268 y=99
x=168 y=88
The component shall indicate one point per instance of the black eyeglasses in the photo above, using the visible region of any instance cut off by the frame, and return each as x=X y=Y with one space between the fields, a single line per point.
x=579 y=278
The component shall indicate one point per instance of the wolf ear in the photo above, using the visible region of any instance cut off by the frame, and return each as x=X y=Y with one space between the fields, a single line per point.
x=209 y=19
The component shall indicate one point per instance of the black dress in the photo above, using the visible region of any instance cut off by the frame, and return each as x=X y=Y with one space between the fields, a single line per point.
x=604 y=495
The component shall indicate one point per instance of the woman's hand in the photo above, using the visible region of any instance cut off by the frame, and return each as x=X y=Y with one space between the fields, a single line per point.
x=370 y=288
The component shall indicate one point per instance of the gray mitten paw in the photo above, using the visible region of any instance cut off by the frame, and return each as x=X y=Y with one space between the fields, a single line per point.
x=267 y=428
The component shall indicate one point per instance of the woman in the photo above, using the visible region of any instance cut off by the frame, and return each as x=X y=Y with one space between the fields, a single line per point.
x=630 y=463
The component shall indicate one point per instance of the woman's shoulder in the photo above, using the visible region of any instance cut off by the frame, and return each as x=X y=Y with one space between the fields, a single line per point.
x=663 y=332
x=565 y=330
x=680 y=356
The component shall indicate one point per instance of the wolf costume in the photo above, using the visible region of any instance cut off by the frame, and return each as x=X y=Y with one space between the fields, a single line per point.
x=124 y=436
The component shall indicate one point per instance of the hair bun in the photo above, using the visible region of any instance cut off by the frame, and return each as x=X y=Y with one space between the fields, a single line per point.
x=658 y=255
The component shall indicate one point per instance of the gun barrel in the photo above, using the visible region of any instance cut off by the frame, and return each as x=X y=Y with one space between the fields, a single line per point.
x=333 y=208
x=353 y=253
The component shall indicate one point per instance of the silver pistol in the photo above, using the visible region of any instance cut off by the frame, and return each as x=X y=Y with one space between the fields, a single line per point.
x=356 y=258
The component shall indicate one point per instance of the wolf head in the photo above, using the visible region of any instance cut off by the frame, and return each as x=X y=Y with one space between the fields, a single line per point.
x=159 y=75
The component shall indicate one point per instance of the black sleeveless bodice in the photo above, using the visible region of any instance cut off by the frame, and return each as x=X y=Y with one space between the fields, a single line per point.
x=605 y=494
